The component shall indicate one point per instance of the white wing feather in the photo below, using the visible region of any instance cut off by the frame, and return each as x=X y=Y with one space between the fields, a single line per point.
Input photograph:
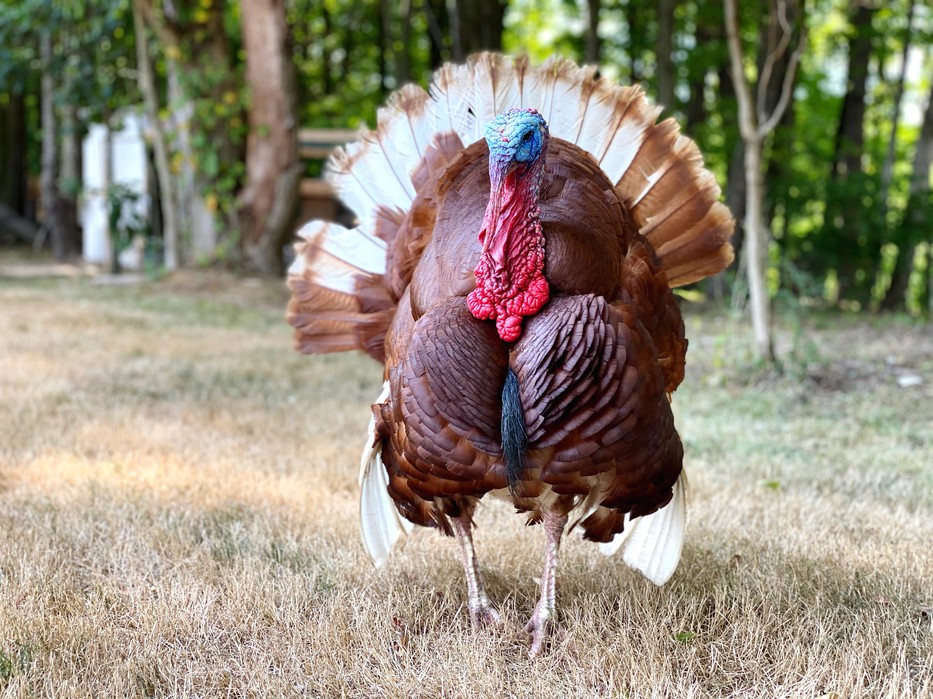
x=653 y=543
x=380 y=522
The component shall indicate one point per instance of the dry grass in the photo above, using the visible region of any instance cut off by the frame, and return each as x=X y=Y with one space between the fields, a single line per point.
x=178 y=518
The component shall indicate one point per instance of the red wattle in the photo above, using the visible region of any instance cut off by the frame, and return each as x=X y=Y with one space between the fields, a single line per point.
x=510 y=283
x=509 y=300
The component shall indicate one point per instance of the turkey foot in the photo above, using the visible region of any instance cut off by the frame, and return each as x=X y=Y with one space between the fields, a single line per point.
x=482 y=613
x=541 y=626
x=543 y=622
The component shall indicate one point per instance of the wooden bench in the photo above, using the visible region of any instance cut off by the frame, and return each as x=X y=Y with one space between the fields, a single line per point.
x=318 y=199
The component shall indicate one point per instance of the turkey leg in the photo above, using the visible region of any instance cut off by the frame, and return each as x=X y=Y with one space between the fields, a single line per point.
x=543 y=621
x=481 y=609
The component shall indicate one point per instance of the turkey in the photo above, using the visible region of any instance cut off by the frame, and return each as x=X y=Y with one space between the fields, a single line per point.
x=519 y=230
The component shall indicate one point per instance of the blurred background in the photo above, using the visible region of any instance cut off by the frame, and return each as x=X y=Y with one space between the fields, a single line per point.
x=157 y=134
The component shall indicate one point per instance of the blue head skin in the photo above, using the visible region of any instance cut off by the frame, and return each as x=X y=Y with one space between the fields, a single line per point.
x=516 y=137
x=510 y=282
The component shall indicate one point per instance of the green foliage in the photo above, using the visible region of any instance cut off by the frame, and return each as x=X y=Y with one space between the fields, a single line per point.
x=220 y=129
x=123 y=216
x=542 y=27
x=849 y=237
x=92 y=51
x=204 y=45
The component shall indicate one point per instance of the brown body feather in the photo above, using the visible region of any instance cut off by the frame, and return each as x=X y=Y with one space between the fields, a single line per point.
x=594 y=367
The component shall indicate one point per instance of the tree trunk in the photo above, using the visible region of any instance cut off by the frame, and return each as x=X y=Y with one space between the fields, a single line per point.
x=846 y=216
x=755 y=123
x=756 y=235
x=773 y=65
x=327 y=68
x=756 y=250
x=902 y=264
x=923 y=157
x=383 y=20
x=735 y=176
x=915 y=225
x=167 y=201
x=850 y=134
x=200 y=49
x=695 y=112
x=195 y=218
x=438 y=29
x=453 y=15
x=887 y=168
x=267 y=203
x=635 y=33
x=69 y=177
x=13 y=153
x=592 y=31
x=19 y=226
x=112 y=261
x=52 y=220
x=403 y=57
x=476 y=25
x=665 y=50
x=736 y=194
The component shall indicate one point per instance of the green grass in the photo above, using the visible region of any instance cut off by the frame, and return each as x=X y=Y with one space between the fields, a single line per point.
x=178 y=512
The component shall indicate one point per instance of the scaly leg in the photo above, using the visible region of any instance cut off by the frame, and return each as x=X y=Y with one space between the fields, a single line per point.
x=544 y=619
x=481 y=610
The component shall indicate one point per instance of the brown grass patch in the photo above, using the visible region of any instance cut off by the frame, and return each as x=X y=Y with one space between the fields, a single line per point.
x=178 y=512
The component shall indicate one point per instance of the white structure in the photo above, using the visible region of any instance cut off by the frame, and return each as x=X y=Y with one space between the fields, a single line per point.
x=128 y=164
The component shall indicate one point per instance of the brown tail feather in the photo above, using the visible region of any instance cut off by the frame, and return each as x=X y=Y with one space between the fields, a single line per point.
x=338 y=301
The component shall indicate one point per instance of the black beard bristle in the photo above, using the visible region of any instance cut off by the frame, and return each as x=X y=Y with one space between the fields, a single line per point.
x=514 y=439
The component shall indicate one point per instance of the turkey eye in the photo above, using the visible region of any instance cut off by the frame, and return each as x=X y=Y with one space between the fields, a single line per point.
x=526 y=137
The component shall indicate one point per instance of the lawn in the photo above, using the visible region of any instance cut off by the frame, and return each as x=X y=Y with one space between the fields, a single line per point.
x=178 y=512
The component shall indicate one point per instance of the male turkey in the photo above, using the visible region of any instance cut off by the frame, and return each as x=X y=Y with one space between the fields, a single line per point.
x=519 y=233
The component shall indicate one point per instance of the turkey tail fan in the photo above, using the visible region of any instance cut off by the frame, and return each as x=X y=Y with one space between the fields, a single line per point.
x=338 y=300
x=675 y=203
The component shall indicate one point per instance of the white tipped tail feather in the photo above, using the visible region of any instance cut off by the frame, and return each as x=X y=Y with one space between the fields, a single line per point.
x=380 y=522
x=653 y=543
x=336 y=254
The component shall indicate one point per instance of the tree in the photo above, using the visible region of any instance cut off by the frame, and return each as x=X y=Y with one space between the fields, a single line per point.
x=204 y=128
x=915 y=236
x=64 y=240
x=13 y=164
x=665 y=50
x=846 y=216
x=887 y=170
x=592 y=31
x=476 y=25
x=81 y=68
x=268 y=201
x=755 y=123
x=167 y=199
x=903 y=234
